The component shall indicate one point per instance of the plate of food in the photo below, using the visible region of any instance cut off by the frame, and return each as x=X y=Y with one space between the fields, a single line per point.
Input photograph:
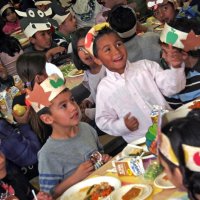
x=75 y=73
x=132 y=191
x=66 y=68
x=99 y=186
x=162 y=181
x=140 y=141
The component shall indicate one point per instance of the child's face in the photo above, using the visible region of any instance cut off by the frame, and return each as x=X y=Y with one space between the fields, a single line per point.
x=175 y=177
x=11 y=16
x=165 y=13
x=70 y=24
x=43 y=8
x=64 y=111
x=83 y=54
x=111 y=52
x=42 y=40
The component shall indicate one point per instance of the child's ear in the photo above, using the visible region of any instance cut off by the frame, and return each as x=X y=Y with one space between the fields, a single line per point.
x=97 y=61
x=40 y=78
x=32 y=40
x=185 y=55
x=46 y=118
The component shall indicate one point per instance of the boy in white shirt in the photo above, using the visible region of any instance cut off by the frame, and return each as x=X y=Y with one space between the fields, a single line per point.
x=125 y=96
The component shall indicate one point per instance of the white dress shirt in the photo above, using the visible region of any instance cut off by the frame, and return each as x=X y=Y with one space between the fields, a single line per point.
x=135 y=91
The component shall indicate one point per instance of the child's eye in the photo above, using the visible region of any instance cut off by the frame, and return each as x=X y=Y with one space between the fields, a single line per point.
x=72 y=99
x=63 y=106
x=119 y=43
x=165 y=8
x=107 y=49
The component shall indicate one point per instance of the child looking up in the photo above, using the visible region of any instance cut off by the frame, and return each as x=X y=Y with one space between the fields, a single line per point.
x=93 y=72
x=179 y=153
x=125 y=96
x=184 y=49
x=7 y=11
x=65 y=158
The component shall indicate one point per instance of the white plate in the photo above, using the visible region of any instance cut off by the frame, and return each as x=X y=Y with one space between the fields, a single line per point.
x=139 y=141
x=73 y=192
x=160 y=182
x=146 y=191
x=73 y=73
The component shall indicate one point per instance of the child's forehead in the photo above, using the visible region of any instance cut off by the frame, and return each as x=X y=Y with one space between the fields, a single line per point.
x=63 y=96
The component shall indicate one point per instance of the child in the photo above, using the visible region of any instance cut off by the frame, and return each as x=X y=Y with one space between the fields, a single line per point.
x=10 y=50
x=123 y=20
x=93 y=72
x=65 y=158
x=164 y=11
x=179 y=153
x=7 y=11
x=42 y=5
x=123 y=102
x=176 y=52
x=38 y=30
x=67 y=25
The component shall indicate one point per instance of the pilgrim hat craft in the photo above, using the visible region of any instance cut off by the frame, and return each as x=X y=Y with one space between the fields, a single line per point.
x=35 y=20
x=153 y=4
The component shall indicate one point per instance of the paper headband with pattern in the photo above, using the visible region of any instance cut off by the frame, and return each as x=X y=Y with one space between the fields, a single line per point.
x=153 y=4
x=186 y=41
x=43 y=94
x=191 y=154
x=92 y=33
x=9 y=5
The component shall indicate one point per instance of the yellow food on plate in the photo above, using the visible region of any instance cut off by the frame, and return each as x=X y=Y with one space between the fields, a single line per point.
x=78 y=72
x=132 y=193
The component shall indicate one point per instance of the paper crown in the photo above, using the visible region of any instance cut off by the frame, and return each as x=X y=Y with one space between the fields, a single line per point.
x=4 y=7
x=154 y=4
x=35 y=20
x=40 y=2
x=43 y=94
x=127 y=33
x=186 y=41
x=191 y=154
x=92 y=33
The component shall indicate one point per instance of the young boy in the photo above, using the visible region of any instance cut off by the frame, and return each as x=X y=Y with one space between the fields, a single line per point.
x=125 y=96
x=67 y=25
x=184 y=47
x=123 y=20
x=65 y=158
x=38 y=29
x=163 y=10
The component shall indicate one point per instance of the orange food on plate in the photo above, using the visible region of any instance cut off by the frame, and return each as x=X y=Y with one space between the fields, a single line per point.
x=196 y=104
x=165 y=178
x=132 y=193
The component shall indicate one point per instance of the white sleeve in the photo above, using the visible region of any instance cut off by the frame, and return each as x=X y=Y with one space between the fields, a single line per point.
x=169 y=81
x=106 y=117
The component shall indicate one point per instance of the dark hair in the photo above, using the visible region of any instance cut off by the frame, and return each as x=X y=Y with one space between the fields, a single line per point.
x=29 y=65
x=76 y=36
x=105 y=31
x=8 y=44
x=185 y=131
x=121 y=19
x=192 y=24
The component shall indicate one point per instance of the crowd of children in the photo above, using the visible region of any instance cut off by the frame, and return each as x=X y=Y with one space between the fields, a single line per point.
x=124 y=75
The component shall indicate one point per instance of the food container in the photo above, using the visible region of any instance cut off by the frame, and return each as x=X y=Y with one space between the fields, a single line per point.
x=5 y=103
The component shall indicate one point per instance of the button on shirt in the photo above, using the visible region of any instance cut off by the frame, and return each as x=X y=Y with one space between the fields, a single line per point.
x=135 y=91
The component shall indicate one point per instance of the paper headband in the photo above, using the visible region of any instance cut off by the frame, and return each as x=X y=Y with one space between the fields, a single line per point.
x=39 y=3
x=130 y=32
x=61 y=18
x=154 y=4
x=191 y=154
x=43 y=94
x=35 y=20
x=186 y=41
x=5 y=7
x=92 y=33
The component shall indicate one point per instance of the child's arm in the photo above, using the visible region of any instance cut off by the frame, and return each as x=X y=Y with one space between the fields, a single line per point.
x=51 y=52
x=83 y=171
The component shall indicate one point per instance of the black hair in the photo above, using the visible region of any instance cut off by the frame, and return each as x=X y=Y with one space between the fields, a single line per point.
x=192 y=24
x=185 y=131
x=8 y=44
x=76 y=36
x=29 y=65
x=104 y=31
x=121 y=19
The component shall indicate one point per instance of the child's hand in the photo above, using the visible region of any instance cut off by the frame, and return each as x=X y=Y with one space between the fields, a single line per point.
x=44 y=196
x=86 y=104
x=172 y=56
x=50 y=53
x=106 y=158
x=131 y=122
x=83 y=171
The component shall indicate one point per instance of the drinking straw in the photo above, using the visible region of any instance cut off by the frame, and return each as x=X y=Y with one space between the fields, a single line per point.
x=33 y=192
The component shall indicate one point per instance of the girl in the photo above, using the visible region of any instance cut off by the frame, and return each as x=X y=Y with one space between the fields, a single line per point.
x=10 y=17
x=179 y=153
x=10 y=49
x=93 y=72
